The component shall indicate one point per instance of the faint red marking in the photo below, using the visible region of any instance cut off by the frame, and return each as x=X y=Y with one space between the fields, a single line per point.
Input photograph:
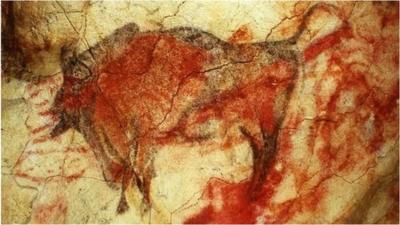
x=77 y=149
x=242 y=34
x=51 y=212
x=29 y=177
x=42 y=103
x=320 y=45
x=34 y=94
x=41 y=128
x=74 y=176
x=41 y=139
x=46 y=113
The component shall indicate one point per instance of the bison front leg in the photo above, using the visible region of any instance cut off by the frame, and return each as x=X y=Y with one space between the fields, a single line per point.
x=143 y=167
x=129 y=177
x=106 y=144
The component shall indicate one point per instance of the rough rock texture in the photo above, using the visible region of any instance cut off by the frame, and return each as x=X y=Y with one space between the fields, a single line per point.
x=190 y=112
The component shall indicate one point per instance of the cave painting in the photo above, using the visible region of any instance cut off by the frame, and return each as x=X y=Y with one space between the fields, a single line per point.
x=136 y=95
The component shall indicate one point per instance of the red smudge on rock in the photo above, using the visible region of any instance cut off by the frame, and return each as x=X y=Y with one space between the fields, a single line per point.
x=24 y=175
x=74 y=176
x=203 y=217
x=54 y=212
x=241 y=35
x=238 y=205
x=41 y=128
x=326 y=42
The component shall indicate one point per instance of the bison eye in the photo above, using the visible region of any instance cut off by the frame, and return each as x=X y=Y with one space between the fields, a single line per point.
x=77 y=69
x=79 y=75
x=80 y=72
x=76 y=88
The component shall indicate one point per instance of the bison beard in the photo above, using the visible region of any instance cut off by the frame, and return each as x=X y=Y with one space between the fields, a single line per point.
x=135 y=91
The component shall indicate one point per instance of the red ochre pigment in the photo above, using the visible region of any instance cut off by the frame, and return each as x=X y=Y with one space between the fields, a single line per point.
x=146 y=82
x=143 y=88
x=238 y=205
x=241 y=35
x=47 y=213
x=143 y=83
x=326 y=42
